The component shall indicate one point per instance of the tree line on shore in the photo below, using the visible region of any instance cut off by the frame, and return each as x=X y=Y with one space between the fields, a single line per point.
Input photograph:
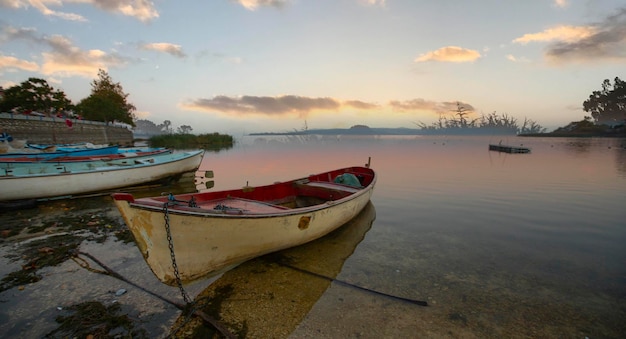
x=607 y=108
x=107 y=101
x=491 y=123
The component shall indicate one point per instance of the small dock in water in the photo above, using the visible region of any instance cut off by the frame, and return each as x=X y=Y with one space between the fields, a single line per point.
x=508 y=149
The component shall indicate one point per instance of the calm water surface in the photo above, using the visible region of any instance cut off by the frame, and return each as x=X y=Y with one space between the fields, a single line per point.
x=515 y=245
x=500 y=245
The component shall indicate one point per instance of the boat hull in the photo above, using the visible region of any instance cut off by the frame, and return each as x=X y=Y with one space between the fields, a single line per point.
x=207 y=243
x=66 y=183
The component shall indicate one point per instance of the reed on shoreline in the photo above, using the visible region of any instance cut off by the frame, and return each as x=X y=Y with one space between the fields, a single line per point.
x=213 y=141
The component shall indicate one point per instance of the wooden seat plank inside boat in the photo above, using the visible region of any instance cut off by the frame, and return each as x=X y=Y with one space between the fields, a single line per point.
x=333 y=186
x=240 y=205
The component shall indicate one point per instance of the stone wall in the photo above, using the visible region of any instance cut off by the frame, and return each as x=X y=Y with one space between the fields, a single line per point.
x=43 y=130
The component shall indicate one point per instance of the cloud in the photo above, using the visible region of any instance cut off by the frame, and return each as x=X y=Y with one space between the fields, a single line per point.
x=254 y=4
x=13 y=4
x=450 y=54
x=380 y=3
x=278 y=106
x=291 y=105
x=360 y=105
x=427 y=105
x=602 y=41
x=8 y=33
x=172 y=49
x=42 y=7
x=67 y=60
x=513 y=58
x=142 y=10
x=64 y=59
x=607 y=43
x=271 y=106
x=54 y=80
x=561 y=3
x=207 y=55
x=559 y=33
x=9 y=62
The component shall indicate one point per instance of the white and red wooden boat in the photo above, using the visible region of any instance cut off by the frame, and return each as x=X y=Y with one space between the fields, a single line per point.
x=195 y=235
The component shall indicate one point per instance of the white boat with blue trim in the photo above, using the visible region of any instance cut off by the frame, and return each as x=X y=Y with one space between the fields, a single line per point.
x=47 y=180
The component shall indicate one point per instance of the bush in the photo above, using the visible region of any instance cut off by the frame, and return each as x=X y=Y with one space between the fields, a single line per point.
x=213 y=141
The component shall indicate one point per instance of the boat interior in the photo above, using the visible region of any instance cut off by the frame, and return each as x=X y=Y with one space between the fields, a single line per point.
x=276 y=198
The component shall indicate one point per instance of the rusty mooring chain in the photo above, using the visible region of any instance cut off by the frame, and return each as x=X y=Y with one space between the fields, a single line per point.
x=172 y=255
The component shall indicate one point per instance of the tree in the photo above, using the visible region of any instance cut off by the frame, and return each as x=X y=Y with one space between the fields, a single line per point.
x=608 y=106
x=165 y=126
x=462 y=112
x=185 y=129
x=35 y=94
x=531 y=126
x=107 y=102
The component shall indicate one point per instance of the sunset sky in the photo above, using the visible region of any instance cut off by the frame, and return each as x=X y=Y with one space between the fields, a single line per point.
x=244 y=66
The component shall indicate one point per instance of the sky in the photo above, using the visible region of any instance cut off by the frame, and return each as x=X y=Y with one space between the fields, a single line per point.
x=246 y=66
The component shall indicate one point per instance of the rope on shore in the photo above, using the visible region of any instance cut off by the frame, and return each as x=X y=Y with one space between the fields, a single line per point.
x=344 y=283
x=189 y=307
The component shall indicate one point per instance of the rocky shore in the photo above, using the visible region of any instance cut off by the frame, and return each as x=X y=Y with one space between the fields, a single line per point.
x=48 y=286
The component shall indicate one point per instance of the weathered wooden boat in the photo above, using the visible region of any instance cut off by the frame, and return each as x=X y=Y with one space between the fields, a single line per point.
x=46 y=180
x=508 y=149
x=195 y=235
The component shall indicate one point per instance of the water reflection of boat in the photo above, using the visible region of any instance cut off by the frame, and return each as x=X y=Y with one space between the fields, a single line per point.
x=267 y=296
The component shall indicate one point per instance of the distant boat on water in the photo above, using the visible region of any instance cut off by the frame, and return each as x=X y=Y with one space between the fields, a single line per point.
x=508 y=149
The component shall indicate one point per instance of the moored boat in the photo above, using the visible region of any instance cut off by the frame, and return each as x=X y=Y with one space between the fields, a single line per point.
x=190 y=236
x=74 y=157
x=39 y=154
x=46 y=180
x=508 y=149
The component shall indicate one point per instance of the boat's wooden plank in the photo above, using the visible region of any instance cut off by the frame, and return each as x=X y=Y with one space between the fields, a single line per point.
x=332 y=186
x=240 y=204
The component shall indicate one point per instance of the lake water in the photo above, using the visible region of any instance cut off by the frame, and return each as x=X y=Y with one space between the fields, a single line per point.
x=500 y=245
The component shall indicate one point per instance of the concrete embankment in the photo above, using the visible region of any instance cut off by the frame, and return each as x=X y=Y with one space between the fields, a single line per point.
x=44 y=130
